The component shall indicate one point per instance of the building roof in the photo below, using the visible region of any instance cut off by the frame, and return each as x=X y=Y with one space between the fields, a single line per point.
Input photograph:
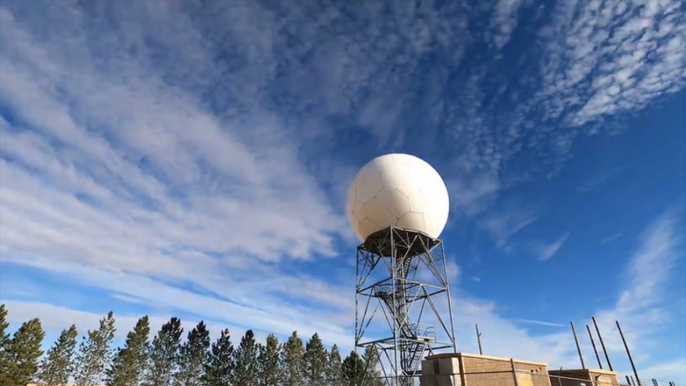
x=467 y=355
x=583 y=371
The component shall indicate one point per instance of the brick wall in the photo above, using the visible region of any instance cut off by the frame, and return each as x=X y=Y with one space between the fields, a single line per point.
x=487 y=372
x=587 y=377
x=532 y=374
x=480 y=370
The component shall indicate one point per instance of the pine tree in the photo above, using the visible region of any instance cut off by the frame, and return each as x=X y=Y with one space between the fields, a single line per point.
x=220 y=362
x=95 y=353
x=315 y=358
x=58 y=365
x=334 y=371
x=292 y=358
x=129 y=362
x=193 y=356
x=371 y=360
x=245 y=373
x=353 y=369
x=5 y=364
x=164 y=354
x=268 y=359
x=23 y=352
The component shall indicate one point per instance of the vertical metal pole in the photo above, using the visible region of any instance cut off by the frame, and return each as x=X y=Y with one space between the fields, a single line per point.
x=597 y=330
x=559 y=378
x=628 y=380
x=578 y=348
x=394 y=277
x=633 y=382
x=655 y=382
x=478 y=338
x=628 y=352
x=357 y=297
x=450 y=300
x=597 y=357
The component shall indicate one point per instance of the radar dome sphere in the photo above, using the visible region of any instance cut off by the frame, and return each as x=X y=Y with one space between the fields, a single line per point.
x=400 y=190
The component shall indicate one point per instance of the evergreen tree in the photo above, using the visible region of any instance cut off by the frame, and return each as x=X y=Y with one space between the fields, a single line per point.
x=371 y=359
x=23 y=352
x=245 y=373
x=292 y=359
x=130 y=361
x=193 y=356
x=268 y=359
x=220 y=362
x=95 y=353
x=353 y=369
x=58 y=365
x=334 y=371
x=164 y=354
x=316 y=359
x=4 y=346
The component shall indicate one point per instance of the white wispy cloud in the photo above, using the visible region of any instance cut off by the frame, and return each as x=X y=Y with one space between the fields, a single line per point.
x=600 y=179
x=645 y=304
x=112 y=175
x=650 y=268
x=668 y=372
x=592 y=61
x=502 y=225
x=473 y=193
x=504 y=20
x=542 y=323
x=611 y=238
x=604 y=57
x=546 y=251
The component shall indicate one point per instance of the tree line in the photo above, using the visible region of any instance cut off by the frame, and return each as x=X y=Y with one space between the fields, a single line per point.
x=170 y=360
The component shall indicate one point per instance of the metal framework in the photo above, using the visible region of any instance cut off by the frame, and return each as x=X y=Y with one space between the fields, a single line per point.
x=403 y=273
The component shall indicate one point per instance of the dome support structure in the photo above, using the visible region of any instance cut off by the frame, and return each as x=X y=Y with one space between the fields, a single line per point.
x=402 y=303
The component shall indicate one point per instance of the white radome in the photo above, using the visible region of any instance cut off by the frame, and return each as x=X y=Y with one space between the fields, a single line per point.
x=400 y=190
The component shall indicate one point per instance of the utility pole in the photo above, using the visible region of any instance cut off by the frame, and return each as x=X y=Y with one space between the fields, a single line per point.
x=478 y=338
x=578 y=348
x=597 y=357
x=628 y=352
x=597 y=330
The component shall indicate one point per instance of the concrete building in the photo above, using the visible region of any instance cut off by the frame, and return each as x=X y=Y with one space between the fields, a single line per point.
x=463 y=369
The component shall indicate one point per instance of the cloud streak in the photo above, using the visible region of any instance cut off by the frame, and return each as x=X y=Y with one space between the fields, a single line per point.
x=541 y=323
x=547 y=251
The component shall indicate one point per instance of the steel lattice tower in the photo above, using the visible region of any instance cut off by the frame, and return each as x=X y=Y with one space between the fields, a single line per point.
x=403 y=273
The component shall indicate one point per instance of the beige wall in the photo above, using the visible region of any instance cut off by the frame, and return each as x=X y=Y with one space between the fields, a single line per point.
x=487 y=372
x=532 y=374
x=480 y=370
x=593 y=377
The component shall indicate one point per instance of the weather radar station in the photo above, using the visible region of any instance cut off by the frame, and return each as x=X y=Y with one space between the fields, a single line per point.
x=398 y=206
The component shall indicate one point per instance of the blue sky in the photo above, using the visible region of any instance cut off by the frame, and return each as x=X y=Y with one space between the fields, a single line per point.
x=192 y=159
